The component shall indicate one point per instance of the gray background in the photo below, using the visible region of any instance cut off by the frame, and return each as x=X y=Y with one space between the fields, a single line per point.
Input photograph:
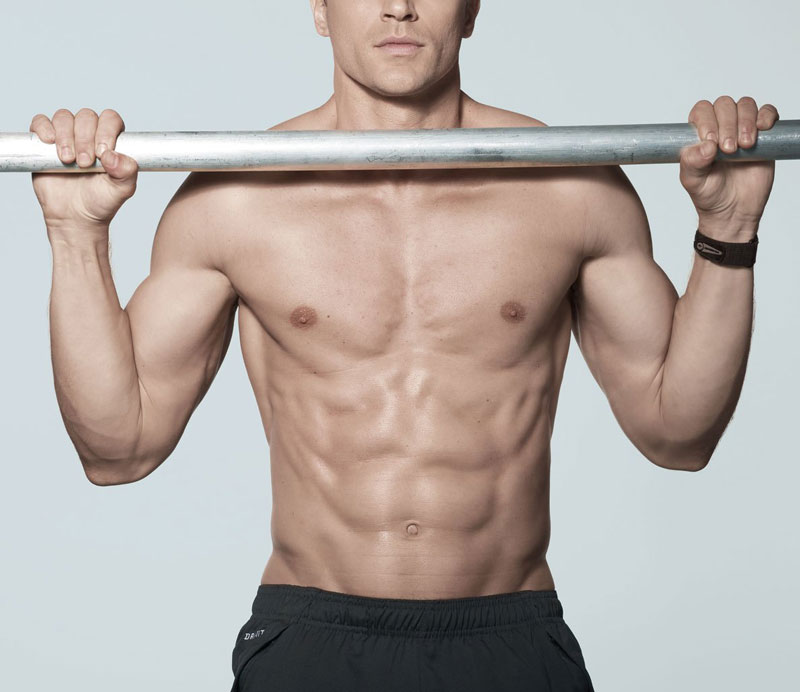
x=670 y=580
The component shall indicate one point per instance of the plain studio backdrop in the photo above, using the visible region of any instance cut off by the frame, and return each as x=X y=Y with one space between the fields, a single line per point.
x=670 y=580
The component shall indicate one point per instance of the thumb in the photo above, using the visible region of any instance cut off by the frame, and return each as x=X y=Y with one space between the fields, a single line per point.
x=122 y=170
x=697 y=159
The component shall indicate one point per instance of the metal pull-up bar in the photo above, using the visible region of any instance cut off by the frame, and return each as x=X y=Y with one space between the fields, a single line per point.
x=581 y=145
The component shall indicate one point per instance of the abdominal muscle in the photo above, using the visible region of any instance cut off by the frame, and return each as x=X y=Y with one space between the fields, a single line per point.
x=406 y=345
x=405 y=335
x=411 y=476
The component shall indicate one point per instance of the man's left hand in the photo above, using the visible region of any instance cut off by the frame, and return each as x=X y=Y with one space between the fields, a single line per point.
x=729 y=196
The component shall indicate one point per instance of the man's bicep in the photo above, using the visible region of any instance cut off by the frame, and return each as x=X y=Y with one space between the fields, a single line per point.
x=623 y=307
x=181 y=319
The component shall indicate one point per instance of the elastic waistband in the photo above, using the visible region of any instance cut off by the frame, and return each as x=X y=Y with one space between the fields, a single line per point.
x=308 y=603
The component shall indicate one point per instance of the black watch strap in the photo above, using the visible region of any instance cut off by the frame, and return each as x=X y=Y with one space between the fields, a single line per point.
x=731 y=254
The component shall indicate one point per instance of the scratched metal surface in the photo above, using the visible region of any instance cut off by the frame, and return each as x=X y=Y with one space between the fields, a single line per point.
x=575 y=145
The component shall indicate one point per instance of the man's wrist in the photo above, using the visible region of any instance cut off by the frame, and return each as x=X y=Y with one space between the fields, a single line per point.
x=728 y=232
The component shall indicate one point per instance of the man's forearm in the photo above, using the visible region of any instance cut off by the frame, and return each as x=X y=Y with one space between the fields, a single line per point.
x=96 y=383
x=705 y=365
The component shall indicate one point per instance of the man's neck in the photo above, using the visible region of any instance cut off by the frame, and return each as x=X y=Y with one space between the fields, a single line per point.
x=356 y=108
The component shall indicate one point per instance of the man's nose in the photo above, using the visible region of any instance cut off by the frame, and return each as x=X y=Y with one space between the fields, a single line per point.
x=401 y=10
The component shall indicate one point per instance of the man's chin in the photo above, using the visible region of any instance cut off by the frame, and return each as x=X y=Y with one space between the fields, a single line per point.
x=399 y=89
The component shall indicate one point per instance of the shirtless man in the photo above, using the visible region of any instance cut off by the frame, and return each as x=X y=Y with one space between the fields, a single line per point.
x=405 y=333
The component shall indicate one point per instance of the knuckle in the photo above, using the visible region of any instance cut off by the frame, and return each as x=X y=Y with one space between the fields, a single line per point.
x=85 y=127
x=747 y=100
x=63 y=112
x=111 y=114
x=700 y=107
x=40 y=126
x=725 y=98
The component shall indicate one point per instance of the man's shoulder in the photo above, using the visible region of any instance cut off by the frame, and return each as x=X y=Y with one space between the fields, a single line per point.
x=601 y=194
x=578 y=180
x=483 y=115
x=572 y=180
x=315 y=119
x=222 y=188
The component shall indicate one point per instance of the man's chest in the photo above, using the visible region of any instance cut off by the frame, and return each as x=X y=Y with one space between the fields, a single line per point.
x=451 y=272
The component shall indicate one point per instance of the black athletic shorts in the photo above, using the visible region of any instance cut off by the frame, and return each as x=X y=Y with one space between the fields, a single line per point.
x=305 y=638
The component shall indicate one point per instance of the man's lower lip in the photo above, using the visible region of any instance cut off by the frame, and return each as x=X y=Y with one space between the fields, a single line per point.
x=399 y=48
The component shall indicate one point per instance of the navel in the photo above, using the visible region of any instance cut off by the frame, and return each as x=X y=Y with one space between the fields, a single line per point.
x=512 y=311
x=303 y=317
x=412 y=529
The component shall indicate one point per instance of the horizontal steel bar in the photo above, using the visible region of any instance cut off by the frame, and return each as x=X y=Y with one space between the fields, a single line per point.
x=574 y=145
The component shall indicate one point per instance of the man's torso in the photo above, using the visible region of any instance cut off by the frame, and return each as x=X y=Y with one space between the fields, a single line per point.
x=406 y=345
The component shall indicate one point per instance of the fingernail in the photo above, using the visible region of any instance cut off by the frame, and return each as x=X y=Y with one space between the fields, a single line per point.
x=66 y=152
x=729 y=143
x=113 y=158
x=746 y=138
x=101 y=148
x=83 y=158
x=712 y=136
x=706 y=148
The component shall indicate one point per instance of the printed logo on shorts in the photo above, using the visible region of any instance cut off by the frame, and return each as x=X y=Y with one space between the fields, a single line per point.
x=253 y=635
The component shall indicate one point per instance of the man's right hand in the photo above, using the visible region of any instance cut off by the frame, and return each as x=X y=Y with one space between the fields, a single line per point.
x=79 y=206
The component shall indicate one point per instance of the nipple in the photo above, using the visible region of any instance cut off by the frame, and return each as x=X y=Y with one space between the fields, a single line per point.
x=412 y=529
x=512 y=311
x=303 y=317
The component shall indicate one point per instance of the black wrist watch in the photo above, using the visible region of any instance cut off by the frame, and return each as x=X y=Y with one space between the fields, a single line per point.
x=730 y=254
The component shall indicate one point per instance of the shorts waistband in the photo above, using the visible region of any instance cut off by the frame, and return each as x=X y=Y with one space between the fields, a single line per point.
x=309 y=603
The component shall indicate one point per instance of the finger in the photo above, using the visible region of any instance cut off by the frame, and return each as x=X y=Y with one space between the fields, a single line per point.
x=697 y=159
x=85 y=127
x=727 y=116
x=767 y=116
x=110 y=125
x=63 y=122
x=747 y=112
x=705 y=120
x=41 y=125
x=119 y=167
